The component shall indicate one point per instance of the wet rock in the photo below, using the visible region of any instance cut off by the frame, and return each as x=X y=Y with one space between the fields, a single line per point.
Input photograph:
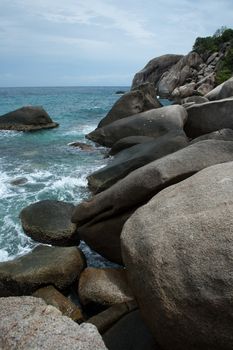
x=27 y=323
x=19 y=181
x=136 y=101
x=43 y=266
x=130 y=332
x=29 y=118
x=207 y=117
x=83 y=146
x=181 y=271
x=135 y=157
x=104 y=286
x=128 y=142
x=105 y=319
x=53 y=297
x=49 y=221
x=153 y=123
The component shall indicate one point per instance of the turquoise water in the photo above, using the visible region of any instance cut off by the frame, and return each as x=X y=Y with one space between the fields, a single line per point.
x=53 y=169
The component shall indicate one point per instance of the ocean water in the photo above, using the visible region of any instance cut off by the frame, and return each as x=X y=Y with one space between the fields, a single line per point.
x=52 y=169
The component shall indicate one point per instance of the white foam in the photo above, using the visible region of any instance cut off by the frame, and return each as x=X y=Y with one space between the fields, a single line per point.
x=4 y=256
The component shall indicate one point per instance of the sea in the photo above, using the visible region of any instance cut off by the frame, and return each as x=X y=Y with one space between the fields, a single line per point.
x=45 y=162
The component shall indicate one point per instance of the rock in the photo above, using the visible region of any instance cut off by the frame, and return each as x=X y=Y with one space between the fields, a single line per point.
x=210 y=116
x=204 y=88
x=83 y=146
x=44 y=265
x=181 y=271
x=27 y=118
x=135 y=157
x=178 y=74
x=100 y=220
x=103 y=236
x=53 y=297
x=49 y=221
x=195 y=99
x=130 y=332
x=153 y=123
x=104 y=286
x=140 y=100
x=27 y=323
x=120 y=92
x=223 y=134
x=19 y=181
x=154 y=69
x=128 y=142
x=222 y=91
x=105 y=319
x=183 y=91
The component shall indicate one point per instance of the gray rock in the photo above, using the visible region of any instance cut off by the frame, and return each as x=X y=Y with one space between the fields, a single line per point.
x=82 y=146
x=130 y=333
x=140 y=100
x=27 y=323
x=154 y=69
x=100 y=220
x=44 y=265
x=184 y=90
x=223 y=134
x=128 y=142
x=222 y=91
x=195 y=99
x=178 y=74
x=181 y=271
x=49 y=221
x=29 y=118
x=210 y=116
x=19 y=181
x=104 y=286
x=153 y=123
x=135 y=157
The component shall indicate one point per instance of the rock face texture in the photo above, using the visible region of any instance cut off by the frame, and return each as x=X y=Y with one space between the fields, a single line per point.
x=96 y=218
x=49 y=222
x=207 y=117
x=221 y=91
x=223 y=134
x=27 y=119
x=104 y=286
x=181 y=271
x=139 y=100
x=27 y=323
x=128 y=142
x=135 y=157
x=44 y=265
x=154 y=69
x=154 y=123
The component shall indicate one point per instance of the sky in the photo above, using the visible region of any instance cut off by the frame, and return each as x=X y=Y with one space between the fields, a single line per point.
x=98 y=42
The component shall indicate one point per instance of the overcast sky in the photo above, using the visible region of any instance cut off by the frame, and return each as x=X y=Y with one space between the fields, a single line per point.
x=98 y=42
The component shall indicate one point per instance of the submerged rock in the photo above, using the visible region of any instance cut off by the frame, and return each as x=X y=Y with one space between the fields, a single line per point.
x=82 y=146
x=104 y=286
x=139 y=100
x=29 y=118
x=19 y=181
x=181 y=271
x=135 y=157
x=44 y=265
x=153 y=123
x=29 y=323
x=49 y=221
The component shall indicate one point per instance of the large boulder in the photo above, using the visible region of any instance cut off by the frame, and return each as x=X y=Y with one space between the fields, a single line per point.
x=44 y=265
x=49 y=221
x=154 y=69
x=222 y=91
x=179 y=74
x=210 y=116
x=128 y=142
x=178 y=251
x=195 y=99
x=154 y=123
x=133 y=102
x=27 y=323
x=100 y=219
x=135 y=157
x=130 y=333
x=27 y=118
x=104 y=286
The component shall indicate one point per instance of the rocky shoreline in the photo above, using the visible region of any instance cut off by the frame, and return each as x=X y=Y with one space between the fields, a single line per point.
x=161 y=209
